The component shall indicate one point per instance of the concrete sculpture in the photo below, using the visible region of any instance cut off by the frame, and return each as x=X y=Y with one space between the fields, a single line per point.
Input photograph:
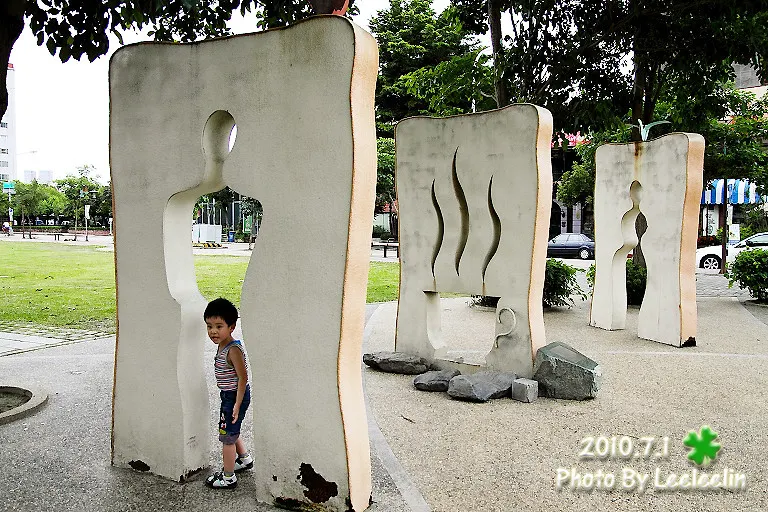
x=474 y=196
x=661 y=178
x=302 y=99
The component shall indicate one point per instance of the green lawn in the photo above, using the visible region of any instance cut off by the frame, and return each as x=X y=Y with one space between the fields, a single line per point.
x=61 y=285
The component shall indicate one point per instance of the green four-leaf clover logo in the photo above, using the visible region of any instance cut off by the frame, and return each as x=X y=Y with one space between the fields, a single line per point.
x=703 y=448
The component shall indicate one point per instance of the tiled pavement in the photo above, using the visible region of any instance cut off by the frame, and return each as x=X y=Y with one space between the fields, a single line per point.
x=19 y=337
x=716 y=285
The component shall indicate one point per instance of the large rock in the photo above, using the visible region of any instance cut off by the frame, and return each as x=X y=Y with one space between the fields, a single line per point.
x=564 y=372
x=396 y=362
x=481 y=386
x=435 y=380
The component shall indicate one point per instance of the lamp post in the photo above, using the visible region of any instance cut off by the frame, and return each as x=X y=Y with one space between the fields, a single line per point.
x=87 y=210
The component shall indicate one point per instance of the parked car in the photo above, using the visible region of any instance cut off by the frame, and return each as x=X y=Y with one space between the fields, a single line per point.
x=571 y=245
x=711 y=257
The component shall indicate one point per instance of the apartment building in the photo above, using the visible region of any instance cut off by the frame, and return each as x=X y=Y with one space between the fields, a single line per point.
x=8 y=133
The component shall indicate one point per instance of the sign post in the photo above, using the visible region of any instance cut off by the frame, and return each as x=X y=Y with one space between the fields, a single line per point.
x=9 y=187
x=87 y=216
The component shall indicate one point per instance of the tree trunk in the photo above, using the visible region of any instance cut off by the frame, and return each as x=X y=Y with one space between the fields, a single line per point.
x=494 y=23
x=11 y=26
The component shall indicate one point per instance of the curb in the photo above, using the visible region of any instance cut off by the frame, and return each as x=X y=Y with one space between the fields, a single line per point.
x=37 y=397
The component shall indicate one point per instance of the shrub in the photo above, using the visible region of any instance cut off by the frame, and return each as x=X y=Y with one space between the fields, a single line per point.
x=559 y=286
x=706 y=241
x=750 y=270
x=636 y=279
x=377 y=231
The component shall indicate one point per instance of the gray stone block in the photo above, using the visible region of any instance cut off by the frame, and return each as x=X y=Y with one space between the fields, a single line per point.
x=481 y=386
x=435 y=380
x=396 y=362
x=525 y=390
x=563 y=372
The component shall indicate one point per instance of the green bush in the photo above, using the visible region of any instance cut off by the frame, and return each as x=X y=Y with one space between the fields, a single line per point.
x=750 y=270
x=377 y=231
x=636 y=279
x=559 y=287
x=560 y=284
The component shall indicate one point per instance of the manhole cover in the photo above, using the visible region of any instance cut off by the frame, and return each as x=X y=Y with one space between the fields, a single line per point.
x=10 y=399
x=16 y=402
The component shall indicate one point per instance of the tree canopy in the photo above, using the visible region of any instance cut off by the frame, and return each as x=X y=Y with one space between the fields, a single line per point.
x=413 y=37
x=595 y=64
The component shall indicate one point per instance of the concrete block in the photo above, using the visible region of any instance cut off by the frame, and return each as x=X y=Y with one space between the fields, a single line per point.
x=525 y=390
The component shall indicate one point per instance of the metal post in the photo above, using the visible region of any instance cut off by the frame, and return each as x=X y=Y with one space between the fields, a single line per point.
x=725 y=225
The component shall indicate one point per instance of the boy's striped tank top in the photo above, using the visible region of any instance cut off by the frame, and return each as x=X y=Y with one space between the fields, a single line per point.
x=226 y=376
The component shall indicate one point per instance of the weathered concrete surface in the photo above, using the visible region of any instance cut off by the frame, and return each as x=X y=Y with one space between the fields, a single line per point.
x=302 y=100
x=474 y=198
x=505 y=452
x=65 y=445
x=661 y=178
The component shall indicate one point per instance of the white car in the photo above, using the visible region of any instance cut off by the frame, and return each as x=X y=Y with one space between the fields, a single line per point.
x=711 y=257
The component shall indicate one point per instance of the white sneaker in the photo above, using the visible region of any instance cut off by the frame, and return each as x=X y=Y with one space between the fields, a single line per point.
x=243 y=463
x=220 y=481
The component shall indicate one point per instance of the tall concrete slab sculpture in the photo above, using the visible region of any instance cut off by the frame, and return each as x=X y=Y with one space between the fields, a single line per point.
x=661 y=178
x=474 y=196
x=302 y=101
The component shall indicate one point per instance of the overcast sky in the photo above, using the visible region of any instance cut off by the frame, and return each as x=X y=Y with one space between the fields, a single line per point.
x=62 y=110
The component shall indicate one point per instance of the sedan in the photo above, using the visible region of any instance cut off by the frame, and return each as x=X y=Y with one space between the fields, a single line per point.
x=571 y=244
x=711 y=257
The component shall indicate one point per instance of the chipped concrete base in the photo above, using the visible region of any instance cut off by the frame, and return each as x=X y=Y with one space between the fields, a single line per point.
x=37 y=397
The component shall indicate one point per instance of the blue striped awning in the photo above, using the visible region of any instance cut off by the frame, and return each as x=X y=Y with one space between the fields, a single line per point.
x=739 y=192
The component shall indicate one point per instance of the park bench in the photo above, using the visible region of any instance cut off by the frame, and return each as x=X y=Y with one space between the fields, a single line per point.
x=385 y=246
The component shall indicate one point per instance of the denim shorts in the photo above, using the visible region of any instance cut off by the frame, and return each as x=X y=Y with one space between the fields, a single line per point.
x=229 y=431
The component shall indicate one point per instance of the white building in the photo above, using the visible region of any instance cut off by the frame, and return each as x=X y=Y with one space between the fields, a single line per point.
x=8 y=133
x=45 y=177
x=30 y=176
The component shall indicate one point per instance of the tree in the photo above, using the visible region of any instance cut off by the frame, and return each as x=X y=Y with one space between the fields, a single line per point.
x=411 y=37
x=447 y=87
x=28 y=198
x=573 y=57
x=76 y=28
x=54 y=203
x=77 y=190
x=735 y=130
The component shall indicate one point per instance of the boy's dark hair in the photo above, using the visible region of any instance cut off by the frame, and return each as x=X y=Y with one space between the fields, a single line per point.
x=223 y=309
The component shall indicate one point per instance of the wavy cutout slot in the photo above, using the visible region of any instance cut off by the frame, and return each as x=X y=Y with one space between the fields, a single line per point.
x=496 y=229
x=463 y=212
x=440 y=228
x=628 y=232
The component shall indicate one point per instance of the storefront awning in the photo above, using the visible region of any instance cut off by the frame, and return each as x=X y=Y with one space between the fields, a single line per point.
x=739 y=192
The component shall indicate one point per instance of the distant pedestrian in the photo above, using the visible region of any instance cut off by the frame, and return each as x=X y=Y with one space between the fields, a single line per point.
x=231 y=370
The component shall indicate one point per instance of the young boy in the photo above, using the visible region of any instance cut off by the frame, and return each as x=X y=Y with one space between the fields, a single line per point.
x=231 y=369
